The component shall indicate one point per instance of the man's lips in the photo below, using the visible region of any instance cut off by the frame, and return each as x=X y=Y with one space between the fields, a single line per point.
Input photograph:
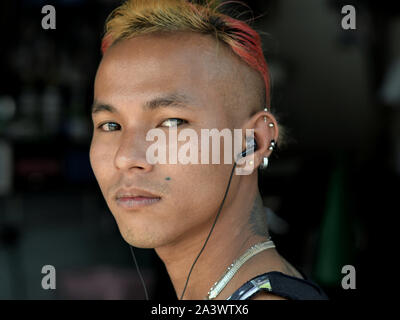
x=135 y=198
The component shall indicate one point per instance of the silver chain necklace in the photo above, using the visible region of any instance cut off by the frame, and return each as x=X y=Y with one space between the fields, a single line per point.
x=235 y=266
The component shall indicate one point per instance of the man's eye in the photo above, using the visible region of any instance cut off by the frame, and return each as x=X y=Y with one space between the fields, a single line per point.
x=173 y=122
x=109 y=126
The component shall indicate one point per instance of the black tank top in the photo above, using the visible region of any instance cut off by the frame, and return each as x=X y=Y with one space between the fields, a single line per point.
x=280 y=284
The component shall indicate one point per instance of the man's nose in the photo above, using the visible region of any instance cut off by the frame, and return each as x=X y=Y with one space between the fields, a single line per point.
x=131 y=152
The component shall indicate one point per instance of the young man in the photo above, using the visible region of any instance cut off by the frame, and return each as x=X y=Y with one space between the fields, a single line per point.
x=173 y=65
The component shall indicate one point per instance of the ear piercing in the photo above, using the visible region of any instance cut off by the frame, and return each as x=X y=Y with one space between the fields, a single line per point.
x=265 y=118
x=265 y=163
x=272 y=145
x=271 y=124
x=265 y=159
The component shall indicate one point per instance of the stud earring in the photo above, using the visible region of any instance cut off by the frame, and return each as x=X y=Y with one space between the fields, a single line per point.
x=271 y=125
x=265 y=118
x=272 y=145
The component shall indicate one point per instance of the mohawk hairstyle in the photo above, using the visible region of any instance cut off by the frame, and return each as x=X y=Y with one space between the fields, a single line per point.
x=139 y=17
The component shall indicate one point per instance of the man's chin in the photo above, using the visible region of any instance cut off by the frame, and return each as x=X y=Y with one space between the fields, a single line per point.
x=144 y=241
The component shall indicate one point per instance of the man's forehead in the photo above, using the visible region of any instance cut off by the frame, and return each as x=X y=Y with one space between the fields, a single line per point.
x=174 y=52
x=169 y=61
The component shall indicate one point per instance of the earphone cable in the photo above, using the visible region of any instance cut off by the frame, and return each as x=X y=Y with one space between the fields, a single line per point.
x=209 y=234
x=140 y=275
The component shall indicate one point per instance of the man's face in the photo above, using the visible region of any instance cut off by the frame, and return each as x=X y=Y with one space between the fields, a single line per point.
x=131 y=74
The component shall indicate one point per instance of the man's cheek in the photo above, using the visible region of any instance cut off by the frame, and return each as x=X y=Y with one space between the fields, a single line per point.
x=101 y=164
x=195 y=181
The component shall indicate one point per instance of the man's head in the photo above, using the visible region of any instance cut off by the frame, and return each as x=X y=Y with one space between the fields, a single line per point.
x=140 y=17
x=157 y=68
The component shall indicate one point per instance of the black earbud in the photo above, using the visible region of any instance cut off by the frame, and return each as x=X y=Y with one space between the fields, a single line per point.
x=250 y=148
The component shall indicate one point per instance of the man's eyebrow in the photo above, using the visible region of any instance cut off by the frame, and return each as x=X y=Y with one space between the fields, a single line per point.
x=99 y=107
x=169 y=100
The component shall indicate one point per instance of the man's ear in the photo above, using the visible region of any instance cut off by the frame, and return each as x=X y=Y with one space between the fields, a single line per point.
x=265 y=131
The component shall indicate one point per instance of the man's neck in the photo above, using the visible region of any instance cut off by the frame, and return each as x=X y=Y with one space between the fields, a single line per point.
x=233 y=234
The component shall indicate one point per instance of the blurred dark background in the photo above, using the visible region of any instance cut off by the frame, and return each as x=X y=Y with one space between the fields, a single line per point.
x=331 y=192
